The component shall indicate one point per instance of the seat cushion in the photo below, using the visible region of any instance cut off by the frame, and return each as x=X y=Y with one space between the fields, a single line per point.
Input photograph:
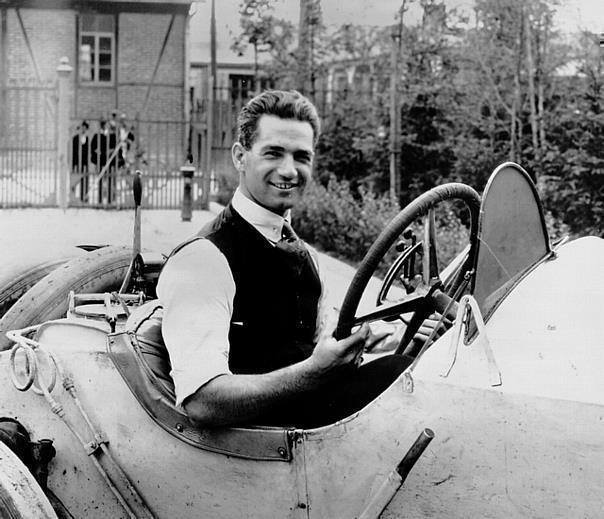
x=144 y=328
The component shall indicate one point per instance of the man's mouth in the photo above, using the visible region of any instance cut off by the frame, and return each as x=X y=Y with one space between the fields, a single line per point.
x=284 y=185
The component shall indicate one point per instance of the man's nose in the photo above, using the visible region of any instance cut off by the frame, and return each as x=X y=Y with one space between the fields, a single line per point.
x=287 y=167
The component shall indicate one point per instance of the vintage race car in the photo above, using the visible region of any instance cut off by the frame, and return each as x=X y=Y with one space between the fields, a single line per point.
x=505 y=406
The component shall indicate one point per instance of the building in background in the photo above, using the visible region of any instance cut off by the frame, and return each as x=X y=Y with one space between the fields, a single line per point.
x=127 y=55
x=129 y=61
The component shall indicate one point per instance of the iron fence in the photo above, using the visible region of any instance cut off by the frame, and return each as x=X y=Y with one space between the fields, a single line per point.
x=102 y=155
x=28 y=158
x=105 y=154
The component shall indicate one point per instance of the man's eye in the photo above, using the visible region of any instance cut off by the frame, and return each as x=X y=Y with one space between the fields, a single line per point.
x=305 y=159
x=272 y=153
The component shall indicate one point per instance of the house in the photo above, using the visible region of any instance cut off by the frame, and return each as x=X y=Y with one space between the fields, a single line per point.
x=128 y=60
x=128 y=55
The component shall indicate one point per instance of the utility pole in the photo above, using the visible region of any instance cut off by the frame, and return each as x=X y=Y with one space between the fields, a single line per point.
x=209 y=165
x=302 y=51
x=395 y=125
x=3 y=70
x=304 y=46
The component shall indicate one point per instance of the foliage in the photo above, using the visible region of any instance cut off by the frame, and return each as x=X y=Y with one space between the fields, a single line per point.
x=573 y=166
x=471 y=95
x=266 y=34
x=345 y=222
x=353 y=145
x=335 y=219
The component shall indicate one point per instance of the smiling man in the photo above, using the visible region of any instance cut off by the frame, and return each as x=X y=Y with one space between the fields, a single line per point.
x=241 y=299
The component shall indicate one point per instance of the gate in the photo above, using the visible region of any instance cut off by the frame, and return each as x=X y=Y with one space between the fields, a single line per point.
x=48 y=159
x=28 y=144
x=105 y=154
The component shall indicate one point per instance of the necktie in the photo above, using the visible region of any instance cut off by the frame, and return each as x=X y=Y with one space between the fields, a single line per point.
x=290 y=242
x=287 y=233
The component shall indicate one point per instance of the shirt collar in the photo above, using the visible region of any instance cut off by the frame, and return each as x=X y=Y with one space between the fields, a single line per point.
x=267 y=223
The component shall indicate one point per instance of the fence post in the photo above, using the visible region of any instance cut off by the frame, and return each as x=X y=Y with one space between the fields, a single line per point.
x=63 y=112
x=187 y=171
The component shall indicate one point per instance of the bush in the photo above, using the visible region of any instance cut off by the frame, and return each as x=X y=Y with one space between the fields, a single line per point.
x=336 y=220
x=345 y=223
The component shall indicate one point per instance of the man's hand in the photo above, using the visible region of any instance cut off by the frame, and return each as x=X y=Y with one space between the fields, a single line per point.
x=330 y=353
x=390 y=340
x=431 y=324
x=229 y=399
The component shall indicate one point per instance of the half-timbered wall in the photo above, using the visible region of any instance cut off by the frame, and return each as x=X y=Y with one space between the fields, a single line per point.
x=146 y=81
x=149 y=56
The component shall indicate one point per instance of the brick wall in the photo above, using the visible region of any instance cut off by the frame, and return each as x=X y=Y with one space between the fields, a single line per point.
x=139 y=43
x=51 y=34
x=36 y=40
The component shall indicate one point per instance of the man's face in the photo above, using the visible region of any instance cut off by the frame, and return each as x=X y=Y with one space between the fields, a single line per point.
x=277 y=168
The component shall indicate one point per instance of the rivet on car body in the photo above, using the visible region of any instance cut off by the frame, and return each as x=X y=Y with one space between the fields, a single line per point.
x=179 y=427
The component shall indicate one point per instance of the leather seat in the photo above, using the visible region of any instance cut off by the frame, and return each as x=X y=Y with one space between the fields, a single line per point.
x=144 y=328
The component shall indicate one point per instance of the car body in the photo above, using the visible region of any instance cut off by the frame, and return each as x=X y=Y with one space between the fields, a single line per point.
x=512 y=394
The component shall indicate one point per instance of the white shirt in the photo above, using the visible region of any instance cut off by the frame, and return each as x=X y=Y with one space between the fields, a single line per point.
x=196 y=289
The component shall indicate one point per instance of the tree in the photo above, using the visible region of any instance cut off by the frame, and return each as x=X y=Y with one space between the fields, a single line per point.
x=573 y=180
x=266 y=34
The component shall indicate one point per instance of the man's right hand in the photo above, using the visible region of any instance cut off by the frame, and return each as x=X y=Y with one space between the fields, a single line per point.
x=330 y=353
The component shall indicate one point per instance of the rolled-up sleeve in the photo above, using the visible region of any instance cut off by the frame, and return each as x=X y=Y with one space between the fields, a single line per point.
x=196 y=289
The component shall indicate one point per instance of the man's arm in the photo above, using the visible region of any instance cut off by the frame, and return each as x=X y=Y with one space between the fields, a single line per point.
x=230 y=399
x=196 y=289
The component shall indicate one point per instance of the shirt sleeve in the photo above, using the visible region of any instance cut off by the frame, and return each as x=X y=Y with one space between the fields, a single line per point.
x=196 y=289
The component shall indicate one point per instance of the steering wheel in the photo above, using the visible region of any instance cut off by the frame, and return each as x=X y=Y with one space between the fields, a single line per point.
x=428 y=294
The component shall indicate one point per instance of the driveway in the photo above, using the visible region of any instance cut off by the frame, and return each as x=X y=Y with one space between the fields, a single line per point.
x=35 y=235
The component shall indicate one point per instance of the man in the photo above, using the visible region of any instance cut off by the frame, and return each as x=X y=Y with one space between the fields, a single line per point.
x=100 y=152
x=126 y=140
x=80 y=157
x=241 y=304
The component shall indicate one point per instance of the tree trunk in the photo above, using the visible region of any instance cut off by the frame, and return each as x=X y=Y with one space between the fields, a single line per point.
x=303 y=73
x=542 y=60
x=517 y=104
x=512 y=153
x=530 y=65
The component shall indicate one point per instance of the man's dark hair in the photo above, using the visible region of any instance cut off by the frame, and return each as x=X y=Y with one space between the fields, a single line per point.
x=281 y=103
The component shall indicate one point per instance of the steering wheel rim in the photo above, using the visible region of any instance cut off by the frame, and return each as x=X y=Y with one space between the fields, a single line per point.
x=418 y=207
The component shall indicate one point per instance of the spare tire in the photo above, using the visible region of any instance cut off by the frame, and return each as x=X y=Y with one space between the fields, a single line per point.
x=102 y=270
x=15 y=280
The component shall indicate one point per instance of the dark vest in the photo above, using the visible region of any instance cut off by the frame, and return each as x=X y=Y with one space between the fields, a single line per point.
x=276 y=296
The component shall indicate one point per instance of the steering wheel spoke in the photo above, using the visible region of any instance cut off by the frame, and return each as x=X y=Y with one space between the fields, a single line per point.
x=430 y=257
x=402 y=270
x=392 y=311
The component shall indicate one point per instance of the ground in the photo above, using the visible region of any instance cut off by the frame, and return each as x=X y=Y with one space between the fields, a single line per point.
x=49 y=233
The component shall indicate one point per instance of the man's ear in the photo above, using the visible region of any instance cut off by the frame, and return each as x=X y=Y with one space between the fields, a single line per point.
x=238 y=155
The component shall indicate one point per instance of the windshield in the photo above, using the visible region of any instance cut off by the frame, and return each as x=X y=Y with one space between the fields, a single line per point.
x=512 y=236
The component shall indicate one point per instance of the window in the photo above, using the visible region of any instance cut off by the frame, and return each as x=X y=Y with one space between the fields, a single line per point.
x=97 y=48
x=243 y=87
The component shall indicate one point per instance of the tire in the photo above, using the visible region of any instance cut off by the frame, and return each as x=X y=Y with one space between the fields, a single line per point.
x=102 y=270
x=14 y=282
x=20 y=495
